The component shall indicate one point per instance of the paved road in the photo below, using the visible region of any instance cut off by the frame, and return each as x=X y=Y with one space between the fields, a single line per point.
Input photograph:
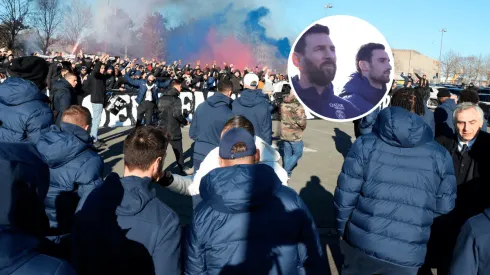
x=315 y=177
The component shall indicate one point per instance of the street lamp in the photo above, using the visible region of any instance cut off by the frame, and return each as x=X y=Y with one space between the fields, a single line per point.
x=443 y=30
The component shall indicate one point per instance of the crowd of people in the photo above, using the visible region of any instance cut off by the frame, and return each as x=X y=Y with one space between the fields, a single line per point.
x=411 y=194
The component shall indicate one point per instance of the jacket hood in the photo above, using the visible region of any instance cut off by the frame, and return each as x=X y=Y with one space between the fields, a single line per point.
x=137 y=194
x=16 y=91
x=238 y=188
x=401 y=128
x=251 y=98
x=218 y=99
x=171 y=92
x=450 y=103
x=16 y=249
x=267 y=153
x=60 y=145
x=360 y=86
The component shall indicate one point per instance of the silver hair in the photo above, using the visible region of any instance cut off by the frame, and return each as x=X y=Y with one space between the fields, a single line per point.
x=465 y=106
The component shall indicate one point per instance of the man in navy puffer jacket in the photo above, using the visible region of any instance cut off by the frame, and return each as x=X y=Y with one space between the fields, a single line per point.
x=24 y=110
x=75 y=167
x=25 y=181
x=209 y=120
x=393 y=183
x=248 y=222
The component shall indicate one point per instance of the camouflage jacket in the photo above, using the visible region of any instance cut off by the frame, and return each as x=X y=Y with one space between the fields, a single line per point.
x=293 y=121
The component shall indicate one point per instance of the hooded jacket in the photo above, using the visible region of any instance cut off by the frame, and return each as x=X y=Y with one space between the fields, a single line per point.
x=24 y=111
x=327 y=104
x=97 y=84
x=75 y=170
x=62 y=98
x=473 y=247
x=443 y=118
x=123 y=228
x=268 y=156
x=170 y=113
x=253 y=105
x=248 y=223
x=25 y=180
x=359 y=92
x=209 y=120
x=393 y=183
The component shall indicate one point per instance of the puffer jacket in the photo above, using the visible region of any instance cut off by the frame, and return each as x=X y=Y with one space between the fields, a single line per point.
x=253 y=105
x=209 y=120
x=226 y=237
x=393 y=183
x=62 y=98
x=75 y=170
x=359 y=92
x=443 y=118
x=24 y=111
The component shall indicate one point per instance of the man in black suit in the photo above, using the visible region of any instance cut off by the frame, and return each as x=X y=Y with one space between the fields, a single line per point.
x=470 y=151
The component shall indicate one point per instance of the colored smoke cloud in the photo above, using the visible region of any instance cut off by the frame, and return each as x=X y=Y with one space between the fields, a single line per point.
x=211 y=30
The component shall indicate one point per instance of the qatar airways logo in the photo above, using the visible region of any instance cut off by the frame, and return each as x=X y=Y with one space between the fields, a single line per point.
x=337 y=106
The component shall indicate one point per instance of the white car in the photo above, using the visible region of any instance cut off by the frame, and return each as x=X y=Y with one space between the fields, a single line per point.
x=432 y=103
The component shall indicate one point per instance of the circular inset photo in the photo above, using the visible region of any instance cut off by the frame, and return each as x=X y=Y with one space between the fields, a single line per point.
x=341 y=67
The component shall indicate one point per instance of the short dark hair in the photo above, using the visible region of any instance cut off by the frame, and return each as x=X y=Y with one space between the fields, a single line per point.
x=225 y=86
x=365 y=53
x=77 y=115
x=175 y=82
x=143 y=146
x=238 y=121
x=408 y=99
x=469 y=95
x=301 y=44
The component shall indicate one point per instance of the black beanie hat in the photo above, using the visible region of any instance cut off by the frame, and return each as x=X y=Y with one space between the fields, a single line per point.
x=31 y=68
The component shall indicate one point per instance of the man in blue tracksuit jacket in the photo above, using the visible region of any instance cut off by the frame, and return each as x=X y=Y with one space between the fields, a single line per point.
x=359 y=92
x=24 y=110
x=253 y=105
x=147 y=96
x=209 y=120
x=123 y=228
x=248 y=222
x=472 y=249
x=25 y=181
x=75 y=167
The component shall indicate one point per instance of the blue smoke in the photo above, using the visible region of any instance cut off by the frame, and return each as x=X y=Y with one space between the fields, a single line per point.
x=253 y=26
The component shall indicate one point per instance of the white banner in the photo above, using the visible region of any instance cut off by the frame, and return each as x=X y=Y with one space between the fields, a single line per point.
x=190 y=101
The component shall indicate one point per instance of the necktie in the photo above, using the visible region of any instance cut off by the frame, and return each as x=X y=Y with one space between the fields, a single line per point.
x=464 y=149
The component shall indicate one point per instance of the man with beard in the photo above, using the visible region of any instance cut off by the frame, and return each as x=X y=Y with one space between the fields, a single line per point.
x=314 y=55
x=368 y=85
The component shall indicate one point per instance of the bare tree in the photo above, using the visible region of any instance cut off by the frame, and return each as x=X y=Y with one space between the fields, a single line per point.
x=77 y=20
x=14 y=17
x=469 y=68
x=450 y=64
x=47 y=19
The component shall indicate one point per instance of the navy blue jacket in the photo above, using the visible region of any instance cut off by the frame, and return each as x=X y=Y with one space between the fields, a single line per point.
x=472 y=249
x=209 y=120
x=75 y=170
x=62 y=98
x=327 y=104
x=248 y=223
x=359 y=92
x=253 y=105
x=367 y=122
x=443 y=117
x=123 y=228
x=24 y=112
x=141 y=85
x=393 y=183
x=22 y=216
